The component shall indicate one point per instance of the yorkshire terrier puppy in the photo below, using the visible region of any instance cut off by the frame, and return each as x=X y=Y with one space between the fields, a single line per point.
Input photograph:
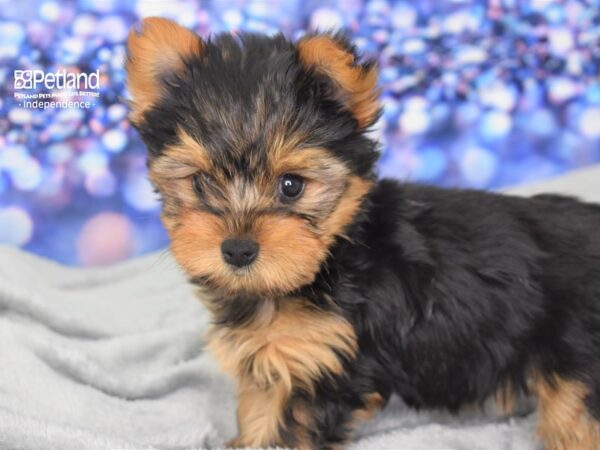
x=330 y=289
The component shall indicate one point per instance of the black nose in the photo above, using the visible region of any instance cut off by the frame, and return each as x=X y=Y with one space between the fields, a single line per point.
x=239 y=252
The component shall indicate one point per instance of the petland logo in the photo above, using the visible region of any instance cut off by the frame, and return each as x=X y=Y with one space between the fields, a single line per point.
x=32 y=79
x=72 y=90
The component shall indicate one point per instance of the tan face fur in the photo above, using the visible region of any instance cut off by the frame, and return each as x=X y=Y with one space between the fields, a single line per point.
x=291 y=248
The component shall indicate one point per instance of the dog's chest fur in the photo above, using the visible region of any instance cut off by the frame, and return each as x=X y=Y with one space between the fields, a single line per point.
x=288 y=343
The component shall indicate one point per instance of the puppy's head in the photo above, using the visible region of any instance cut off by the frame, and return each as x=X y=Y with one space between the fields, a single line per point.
x=256 y=146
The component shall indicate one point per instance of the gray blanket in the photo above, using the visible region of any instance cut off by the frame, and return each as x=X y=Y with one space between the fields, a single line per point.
x=113 y=358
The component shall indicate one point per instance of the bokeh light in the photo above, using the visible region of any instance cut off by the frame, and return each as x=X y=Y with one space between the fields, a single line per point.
x=104 y=239
x=476 y=94
x=16 y=226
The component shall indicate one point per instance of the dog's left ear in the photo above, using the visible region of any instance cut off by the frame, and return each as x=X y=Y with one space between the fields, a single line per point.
x=354 y=84
x=156 y=48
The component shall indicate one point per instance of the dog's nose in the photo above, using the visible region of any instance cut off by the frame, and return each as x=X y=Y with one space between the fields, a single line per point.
x=239 y=252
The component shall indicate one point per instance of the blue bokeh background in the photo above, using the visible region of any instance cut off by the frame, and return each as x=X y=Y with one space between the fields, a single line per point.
x=476 y=93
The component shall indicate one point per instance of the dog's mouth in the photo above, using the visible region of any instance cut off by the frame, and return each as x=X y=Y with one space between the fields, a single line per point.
x=207 y=281
x=245 y=271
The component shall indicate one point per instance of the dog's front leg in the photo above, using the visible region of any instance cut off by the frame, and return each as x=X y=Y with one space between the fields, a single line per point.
x=271 y=416
x=259 y=414
x=274 y=416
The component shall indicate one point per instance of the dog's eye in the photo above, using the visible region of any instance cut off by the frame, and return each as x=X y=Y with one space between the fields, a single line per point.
x=199 y=180
x=290 y=186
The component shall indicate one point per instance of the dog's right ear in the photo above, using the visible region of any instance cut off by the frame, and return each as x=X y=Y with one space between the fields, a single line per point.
x=155 y=48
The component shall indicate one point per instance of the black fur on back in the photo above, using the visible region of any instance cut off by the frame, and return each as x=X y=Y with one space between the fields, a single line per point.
x=454 y=293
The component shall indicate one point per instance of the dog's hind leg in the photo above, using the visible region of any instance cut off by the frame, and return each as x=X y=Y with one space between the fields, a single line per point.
x=568 y=413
